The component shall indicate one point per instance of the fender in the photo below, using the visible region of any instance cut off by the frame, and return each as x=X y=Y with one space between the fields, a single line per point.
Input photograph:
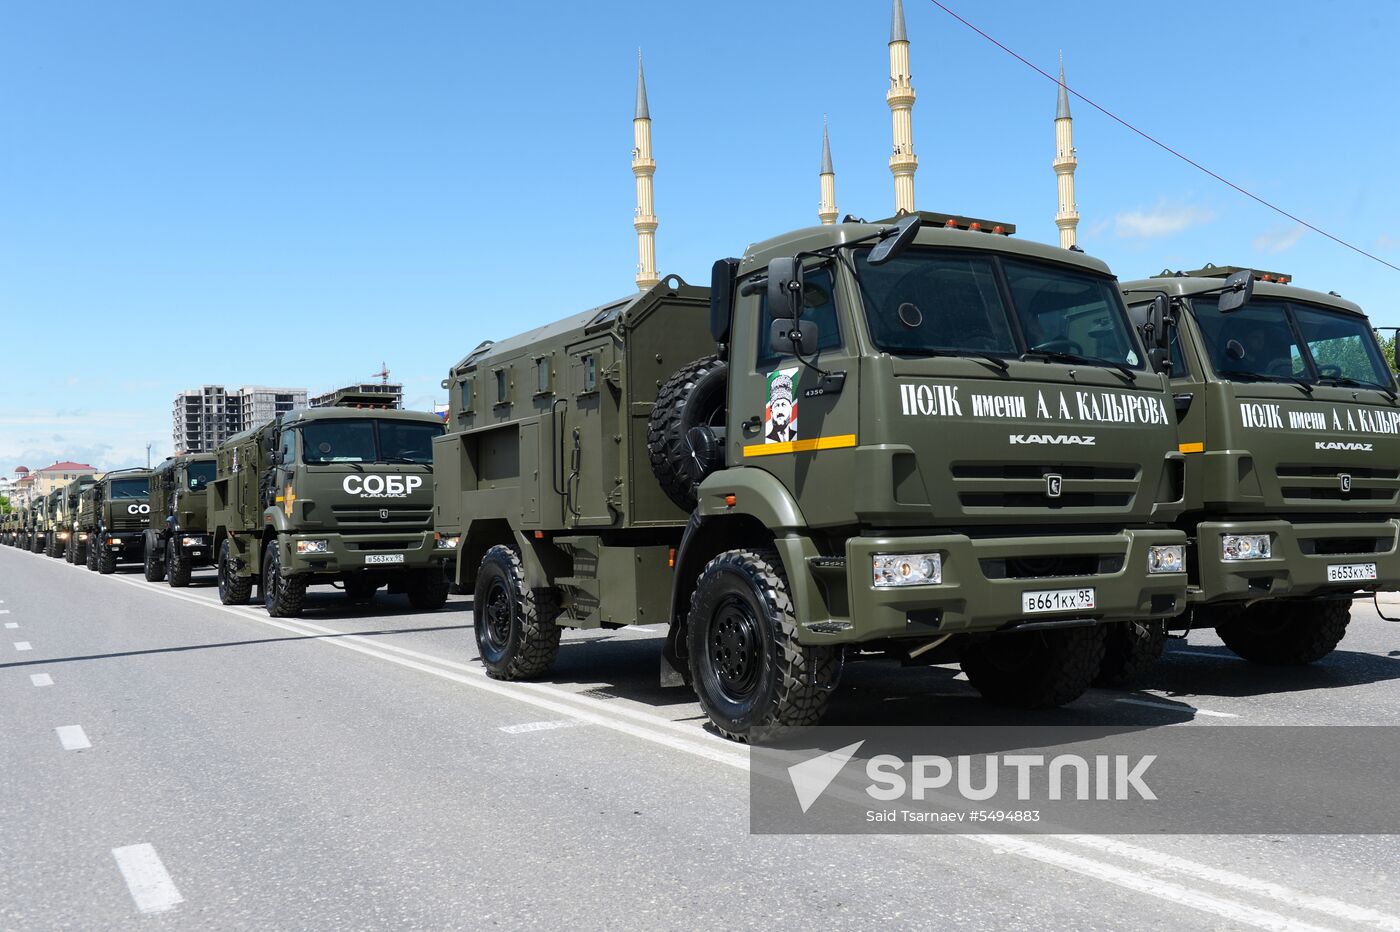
x=542 y=561
x=756 y=493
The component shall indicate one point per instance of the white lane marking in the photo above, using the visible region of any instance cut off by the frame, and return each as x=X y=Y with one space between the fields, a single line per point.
x=4 y=611
x=1202 y=653
x=151 y=887
x=73 y=738
x=12 y=625
x=1181 y=707
x=1326 y=904
x=528 y=727
x=23 y=645
x=712 y=748
x=41 y=679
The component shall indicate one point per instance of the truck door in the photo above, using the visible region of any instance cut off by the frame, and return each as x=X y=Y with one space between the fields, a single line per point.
x=784 y=417
x=587 y=453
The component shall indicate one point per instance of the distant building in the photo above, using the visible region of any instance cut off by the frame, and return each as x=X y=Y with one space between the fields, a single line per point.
x=393 y=392
x=45 y=480
x=205 y=417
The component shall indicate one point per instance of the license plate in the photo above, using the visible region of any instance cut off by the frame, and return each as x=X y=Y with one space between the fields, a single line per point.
x=1057 y=600
x=1346 y=572
x=384 y=558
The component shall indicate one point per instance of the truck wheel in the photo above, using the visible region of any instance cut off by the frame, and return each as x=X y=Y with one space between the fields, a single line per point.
x=360 y=588
x=1129 y=650
x=106 y=559
x=515 y=631
x=693 y=397
x=751 y=675
x=282 y=595
x=1035 y=669
x=1287 y=634
x=177 y=564
x=427 y=590
x=233 y=589
x=92 y=552
x=155 y=564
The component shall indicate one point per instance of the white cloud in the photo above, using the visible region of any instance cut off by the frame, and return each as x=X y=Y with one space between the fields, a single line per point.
x=1163 y=220
x=1276 y=241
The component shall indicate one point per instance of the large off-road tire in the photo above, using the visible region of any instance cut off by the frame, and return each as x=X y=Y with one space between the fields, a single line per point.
x=106 y=558
x=92 y=552
x=51 y=546
x=360 y=588
x=1035 y=669
x=233 y=589
x=177 y=564
x=1129 y=651
x=693 y=397
x=752 y=677
x=515 y=628
x=1287 y=634
x=283 y=596
x=427 y=590
x=154 y=564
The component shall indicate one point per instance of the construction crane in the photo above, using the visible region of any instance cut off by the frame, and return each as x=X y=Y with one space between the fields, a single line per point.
x=382 y=374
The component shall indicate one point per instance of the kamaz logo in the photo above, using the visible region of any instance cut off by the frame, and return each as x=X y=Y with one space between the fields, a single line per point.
x=1056 y=440
x=373 y=486
x=1336 y=445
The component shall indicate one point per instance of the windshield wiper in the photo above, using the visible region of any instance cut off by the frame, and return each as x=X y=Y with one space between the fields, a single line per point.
x=1244 y=375
x=1058 y=356
x=1356 y=383
x=401 y=459
x=996 y=361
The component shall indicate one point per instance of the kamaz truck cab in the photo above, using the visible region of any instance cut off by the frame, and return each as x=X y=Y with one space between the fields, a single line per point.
x=1290 y=426
x=340 y=495
x=81 y=523
x=67 y=530
x=177 y=537
x=918 y=439
x=45 y=527
x=120 y=504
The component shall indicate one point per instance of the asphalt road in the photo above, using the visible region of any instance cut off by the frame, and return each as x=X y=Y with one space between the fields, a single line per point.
x=167 y=762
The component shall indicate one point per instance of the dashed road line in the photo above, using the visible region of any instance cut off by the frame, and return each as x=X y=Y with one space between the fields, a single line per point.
x=73 y=738
x=41 y=679
x=23 y=645
x=527 y=727
x=11 y=625
x=1177 y=707
x=147 y=879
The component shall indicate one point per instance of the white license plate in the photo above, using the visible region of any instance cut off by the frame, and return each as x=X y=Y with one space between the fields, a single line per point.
x=1346 y=572
x=1057 y=600
x=384 y=558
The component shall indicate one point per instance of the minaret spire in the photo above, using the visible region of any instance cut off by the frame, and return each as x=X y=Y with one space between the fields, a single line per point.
x=827 y=209
x=1067 y=217
x=643 y=167
x=900 y=97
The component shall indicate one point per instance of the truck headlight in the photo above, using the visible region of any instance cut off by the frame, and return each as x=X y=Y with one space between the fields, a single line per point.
x=312 y=546
x=907 y=569
x=192 y=541
x=446 y=543
x=1166 y=558
x=1237 y=547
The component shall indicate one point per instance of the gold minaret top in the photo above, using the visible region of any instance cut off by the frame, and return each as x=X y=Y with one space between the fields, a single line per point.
x=1067 y=217
x=900 y=97
x=643 y=167
x=826 y=210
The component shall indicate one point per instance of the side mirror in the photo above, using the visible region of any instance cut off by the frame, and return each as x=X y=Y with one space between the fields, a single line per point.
x=722 y=276
x=785 y=289
x=895 y=242
x=793 y=337
x=1239 y=288
x=1161 y=337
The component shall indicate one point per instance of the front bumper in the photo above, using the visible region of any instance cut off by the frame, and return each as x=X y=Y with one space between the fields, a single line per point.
x=1298 y=564
x=130 y=546
x=982 y=585
x=362 y=553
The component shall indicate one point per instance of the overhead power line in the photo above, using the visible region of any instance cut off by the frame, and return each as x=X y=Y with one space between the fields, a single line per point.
x=1162 y=145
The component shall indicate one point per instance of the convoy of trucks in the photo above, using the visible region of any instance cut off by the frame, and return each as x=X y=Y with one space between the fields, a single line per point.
x=918 y=440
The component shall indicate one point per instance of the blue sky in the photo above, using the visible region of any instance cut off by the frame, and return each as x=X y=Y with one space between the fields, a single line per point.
x=289 y=193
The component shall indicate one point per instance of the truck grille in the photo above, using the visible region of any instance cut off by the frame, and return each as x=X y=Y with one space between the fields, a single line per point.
x=1311 y=483
x=366 y=519
x=989 y=487
x=1051 y=567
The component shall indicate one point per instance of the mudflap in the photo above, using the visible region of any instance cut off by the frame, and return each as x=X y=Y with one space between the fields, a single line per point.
x=674 y=669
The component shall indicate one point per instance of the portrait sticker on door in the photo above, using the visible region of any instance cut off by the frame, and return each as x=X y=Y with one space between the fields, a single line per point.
x=780 y=414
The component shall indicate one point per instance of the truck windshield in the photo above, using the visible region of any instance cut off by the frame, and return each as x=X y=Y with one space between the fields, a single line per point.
x=368 y=440
x=1284 y=340
x=128 y=488
x=945 y=302
x=200 y=474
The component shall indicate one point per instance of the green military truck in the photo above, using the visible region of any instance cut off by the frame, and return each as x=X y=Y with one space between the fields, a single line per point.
x=339 y=495
x=23 y=523
x=82 y=522
x=177 y=537
x=9 y=527
x=45 y=516
x=66 y=517
x=1290 y=426
x=120 y=505
x=983 y=469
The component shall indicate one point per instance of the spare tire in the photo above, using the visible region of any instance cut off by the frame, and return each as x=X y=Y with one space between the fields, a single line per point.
x=693 y=397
